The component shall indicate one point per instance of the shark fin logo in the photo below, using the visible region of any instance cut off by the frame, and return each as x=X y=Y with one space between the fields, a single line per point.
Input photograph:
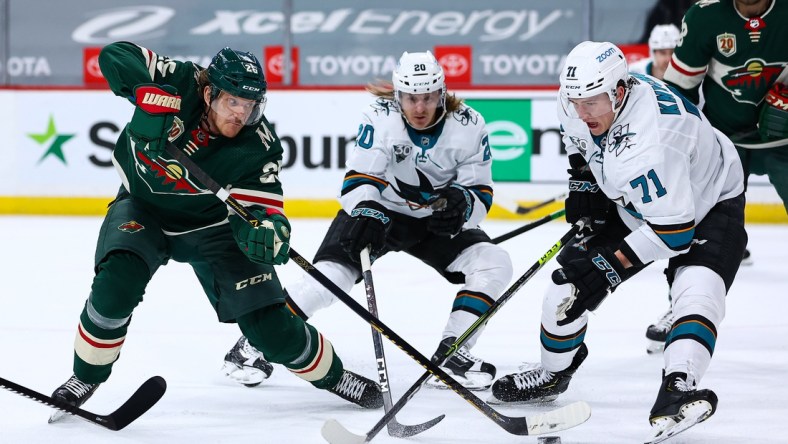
x=418 y=196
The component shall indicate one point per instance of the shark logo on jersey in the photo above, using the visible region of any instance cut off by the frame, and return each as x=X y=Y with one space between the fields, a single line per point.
x=401 y=152
x=383 y=106
x=619 y=138
x=465 y=116
x=417 y=196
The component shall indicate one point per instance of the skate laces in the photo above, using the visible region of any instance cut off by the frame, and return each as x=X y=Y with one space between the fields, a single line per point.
x=250 y=352
x=350 y=386
x=666 y=321
x=533 y=378
x=77 y=387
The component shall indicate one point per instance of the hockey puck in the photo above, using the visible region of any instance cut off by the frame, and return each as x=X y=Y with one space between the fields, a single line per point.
x=549 y=440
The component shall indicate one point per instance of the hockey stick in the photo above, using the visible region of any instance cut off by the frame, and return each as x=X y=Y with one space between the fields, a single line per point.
x=529 y=226
x=525 y=210
x=563 y=418
x=566 y=417
x=394 y=427
x=143 y=399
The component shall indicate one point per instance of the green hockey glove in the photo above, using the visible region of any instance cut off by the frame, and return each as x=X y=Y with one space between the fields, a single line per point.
x=269 y=243
x=773 y=121
x=151 y=123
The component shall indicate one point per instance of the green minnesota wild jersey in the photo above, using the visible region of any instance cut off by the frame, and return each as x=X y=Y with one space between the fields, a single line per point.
x=740 y=58
x=246 y=165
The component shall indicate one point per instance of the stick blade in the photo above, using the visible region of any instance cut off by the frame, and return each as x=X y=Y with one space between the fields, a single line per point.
x=405 y=431
x=140 y=402
x=336 y=433
x=557 y=420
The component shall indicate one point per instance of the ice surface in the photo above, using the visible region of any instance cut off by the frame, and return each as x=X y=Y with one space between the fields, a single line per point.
x=46 y=275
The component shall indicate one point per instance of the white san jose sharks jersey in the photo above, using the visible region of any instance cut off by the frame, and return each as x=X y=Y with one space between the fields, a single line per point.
x=403 y=169
x=662 y=163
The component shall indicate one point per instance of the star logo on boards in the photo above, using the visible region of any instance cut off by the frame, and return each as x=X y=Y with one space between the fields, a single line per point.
x=54 y=141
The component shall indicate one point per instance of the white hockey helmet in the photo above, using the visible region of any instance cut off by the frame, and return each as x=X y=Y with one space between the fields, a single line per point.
x=592 y=68
x=418 y=73
x=663 y=37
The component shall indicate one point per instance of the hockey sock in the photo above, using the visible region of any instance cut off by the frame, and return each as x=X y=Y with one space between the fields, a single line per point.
x=117 y=288
x=286 y=339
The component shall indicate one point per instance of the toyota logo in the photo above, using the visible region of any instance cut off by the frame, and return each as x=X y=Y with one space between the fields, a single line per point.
x=92 y=67
x=276 y=65
x=454 y=64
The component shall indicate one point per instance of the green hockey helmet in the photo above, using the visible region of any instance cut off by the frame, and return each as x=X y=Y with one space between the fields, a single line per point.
x=240 y=74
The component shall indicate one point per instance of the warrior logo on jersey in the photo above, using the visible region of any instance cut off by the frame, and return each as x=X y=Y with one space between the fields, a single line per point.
x=131 y=226
x=619 y=138
x=417 y=196
x=401 y=152
x=750 y=82
x=726 y=44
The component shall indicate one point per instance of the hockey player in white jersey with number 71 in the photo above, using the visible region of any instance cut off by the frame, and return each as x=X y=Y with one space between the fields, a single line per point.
x=677 y=187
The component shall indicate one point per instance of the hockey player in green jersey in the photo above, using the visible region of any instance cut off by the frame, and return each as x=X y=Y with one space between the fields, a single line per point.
x=162 y=213
x=733 y=53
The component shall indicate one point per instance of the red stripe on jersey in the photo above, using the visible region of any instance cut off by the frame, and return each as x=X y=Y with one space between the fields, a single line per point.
x=258 y=200
x=97 y=344
x=686 y=72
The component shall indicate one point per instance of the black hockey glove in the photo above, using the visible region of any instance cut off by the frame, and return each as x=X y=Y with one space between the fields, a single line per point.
x=451 y=209
x=368 y=225
x=585 y=199
x=593 y=277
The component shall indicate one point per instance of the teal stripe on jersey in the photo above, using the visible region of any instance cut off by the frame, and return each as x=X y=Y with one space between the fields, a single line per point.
x=695 y=329
x=677 y=240
x=476 y=303
x=561 y=344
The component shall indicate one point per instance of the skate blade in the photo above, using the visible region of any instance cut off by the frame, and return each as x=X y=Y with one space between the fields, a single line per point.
x=492 y=400
x=56 y=416
x=691 y=414
x=472 y=381
x=655 y=347
x=248 y=376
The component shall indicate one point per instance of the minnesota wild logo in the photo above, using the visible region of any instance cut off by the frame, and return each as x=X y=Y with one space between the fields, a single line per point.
x=750 y=82
x=131 y=226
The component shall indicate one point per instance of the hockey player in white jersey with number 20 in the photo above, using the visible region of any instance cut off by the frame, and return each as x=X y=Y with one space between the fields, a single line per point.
x=676 y=183
x=419 y=180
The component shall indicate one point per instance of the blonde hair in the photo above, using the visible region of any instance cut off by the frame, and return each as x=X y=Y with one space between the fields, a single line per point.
x=385 y=90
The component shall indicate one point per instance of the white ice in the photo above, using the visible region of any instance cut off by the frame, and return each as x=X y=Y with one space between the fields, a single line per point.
x=46 y=276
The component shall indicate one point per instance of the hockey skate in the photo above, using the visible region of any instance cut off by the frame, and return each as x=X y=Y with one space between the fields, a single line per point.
x=473 y=373
x=74 y=392
x=246 y=365
x=678 y=407
x=657 y=333
x=358 y=390
x=537 y=384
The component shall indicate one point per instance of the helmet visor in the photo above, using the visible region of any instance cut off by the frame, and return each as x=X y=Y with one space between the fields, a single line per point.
x=588 y=107
x=237 y=109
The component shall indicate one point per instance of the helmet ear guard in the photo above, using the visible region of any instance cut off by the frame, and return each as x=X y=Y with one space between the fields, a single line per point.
x=239 y=74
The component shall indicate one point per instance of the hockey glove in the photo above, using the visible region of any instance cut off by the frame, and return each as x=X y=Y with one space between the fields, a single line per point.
x=773 y=122
x=268 y=243
x=368 y=225
x=585 y=199
x=593 y=277
x=451 y=209
x=151 y=123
